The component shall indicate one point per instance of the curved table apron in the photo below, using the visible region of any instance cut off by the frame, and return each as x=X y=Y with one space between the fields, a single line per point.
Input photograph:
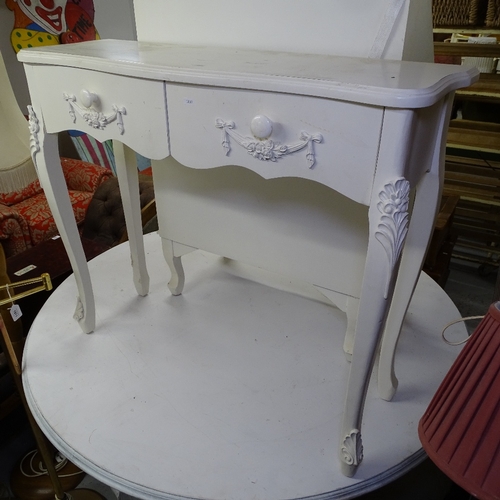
x=233 y=390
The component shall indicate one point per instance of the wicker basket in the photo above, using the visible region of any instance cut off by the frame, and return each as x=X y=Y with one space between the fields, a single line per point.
x=459 y=12
x=493 y=14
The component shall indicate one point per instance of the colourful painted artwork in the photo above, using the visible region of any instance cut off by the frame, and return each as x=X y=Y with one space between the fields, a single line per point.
x=50 y=22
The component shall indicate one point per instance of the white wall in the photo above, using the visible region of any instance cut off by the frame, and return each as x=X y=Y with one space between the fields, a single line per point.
x=113 y=19
x=341 y=27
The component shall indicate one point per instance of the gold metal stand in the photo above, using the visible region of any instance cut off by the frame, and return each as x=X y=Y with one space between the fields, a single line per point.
x=15 y=366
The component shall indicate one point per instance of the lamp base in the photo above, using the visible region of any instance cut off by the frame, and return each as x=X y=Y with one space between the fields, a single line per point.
x=30 y=481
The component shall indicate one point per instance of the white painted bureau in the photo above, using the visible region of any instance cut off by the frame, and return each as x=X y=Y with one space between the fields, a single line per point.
x=325 y=169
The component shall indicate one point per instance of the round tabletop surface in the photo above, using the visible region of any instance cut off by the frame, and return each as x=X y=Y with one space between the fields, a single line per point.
x=233 y=390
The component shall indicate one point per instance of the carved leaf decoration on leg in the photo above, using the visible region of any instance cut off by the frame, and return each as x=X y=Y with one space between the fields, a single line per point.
x=393 y=225
x=352 y=448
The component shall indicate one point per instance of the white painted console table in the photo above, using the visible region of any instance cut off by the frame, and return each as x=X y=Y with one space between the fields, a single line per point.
x=353 y=148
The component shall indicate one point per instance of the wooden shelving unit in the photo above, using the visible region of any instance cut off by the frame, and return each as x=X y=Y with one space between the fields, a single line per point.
x=472 y=172
x=472 y=30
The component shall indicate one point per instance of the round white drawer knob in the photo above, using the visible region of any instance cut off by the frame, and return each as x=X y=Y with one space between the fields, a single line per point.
x=261 y=127
x=88 y=98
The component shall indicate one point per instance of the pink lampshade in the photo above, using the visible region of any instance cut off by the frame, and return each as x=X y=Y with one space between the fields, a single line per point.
x=460 y=431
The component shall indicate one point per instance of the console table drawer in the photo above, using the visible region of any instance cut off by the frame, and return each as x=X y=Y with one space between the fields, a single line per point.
x=132 y=110
x=276 y=135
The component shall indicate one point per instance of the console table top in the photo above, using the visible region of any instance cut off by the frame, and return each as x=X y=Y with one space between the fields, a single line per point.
x=399 y=84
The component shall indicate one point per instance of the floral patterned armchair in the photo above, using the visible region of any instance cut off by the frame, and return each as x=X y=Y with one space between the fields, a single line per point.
x=25 y=217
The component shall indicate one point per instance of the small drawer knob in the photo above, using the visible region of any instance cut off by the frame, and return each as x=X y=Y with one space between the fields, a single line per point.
x=88 y=98
x=261 y=127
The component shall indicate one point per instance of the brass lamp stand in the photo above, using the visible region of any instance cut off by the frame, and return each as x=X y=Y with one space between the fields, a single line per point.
x=15 y=367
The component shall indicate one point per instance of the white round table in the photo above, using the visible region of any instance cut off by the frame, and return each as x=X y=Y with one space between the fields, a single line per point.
x=233 y=390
